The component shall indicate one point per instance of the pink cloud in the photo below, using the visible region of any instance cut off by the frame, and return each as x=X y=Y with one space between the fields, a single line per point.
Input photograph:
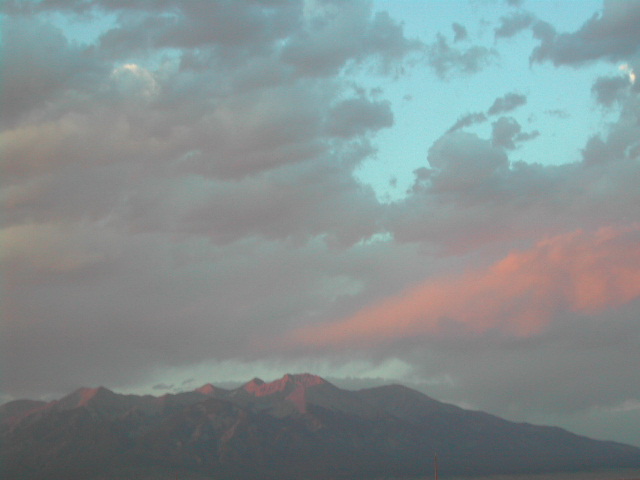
x=579 y=272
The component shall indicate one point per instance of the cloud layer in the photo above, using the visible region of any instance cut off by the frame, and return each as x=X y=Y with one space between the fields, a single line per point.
x=575 y=273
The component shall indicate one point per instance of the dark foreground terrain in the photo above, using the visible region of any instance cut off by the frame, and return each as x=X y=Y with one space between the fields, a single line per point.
x=294 y=428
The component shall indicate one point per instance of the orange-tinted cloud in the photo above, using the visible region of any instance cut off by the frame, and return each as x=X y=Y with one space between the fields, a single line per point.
x=580 y=272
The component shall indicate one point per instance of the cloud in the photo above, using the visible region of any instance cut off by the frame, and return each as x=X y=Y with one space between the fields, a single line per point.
x=228 y=31
x=503 y=132
x=513 y=24
x=526 y=136
x=166 y=148
x=152 y=303
x=459 y=31
x=194 y=144
x=332 y=36
x=470 y=195
x=507 y=103
x=608 y=89
x=218 y=119
x=446 y=59
x=611 y=35
x=506 y=133
x=460 y=161
x=620 y=144
x=292 y=204
x=358 y=115
x=133 y=79
x=162 y=386
x=503 y=104
x=550 y=374
x=36 y=253
x=467 y=120
x=578 y=272
x=39 y=65
x=629 y=71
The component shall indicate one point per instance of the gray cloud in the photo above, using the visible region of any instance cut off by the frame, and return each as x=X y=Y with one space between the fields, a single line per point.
x=162 y=386
x=357 y=116
x=39 y=52
x=503 y=132
x=331 y=40
x=507 y=103
x=291 y=204
x=459 y=32
x=503 y=104
x=470 y=186
x=611 y=35
x=445 y=59
x=468 y=120
x=507 y=133
x=460 y=161
x=526 y=136
x=547 y=367
x=209 y=159
x=607 y=90
x=513 y=24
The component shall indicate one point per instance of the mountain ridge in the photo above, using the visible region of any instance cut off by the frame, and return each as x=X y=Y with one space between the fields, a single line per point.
x=299 y=426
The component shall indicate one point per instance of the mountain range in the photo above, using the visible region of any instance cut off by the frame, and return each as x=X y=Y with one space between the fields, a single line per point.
x=297 y=427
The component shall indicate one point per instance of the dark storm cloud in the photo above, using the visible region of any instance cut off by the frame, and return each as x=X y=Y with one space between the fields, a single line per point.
x=611 y=35
x=507 y=103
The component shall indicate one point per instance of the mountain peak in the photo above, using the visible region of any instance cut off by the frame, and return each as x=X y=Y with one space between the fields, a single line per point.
x=254 y=385
x=83 y=397
x=88 y=394
x=304 y=379
x=290 y=381
x=207 y=389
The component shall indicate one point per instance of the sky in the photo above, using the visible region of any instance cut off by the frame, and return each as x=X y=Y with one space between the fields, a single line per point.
x=439 y=194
